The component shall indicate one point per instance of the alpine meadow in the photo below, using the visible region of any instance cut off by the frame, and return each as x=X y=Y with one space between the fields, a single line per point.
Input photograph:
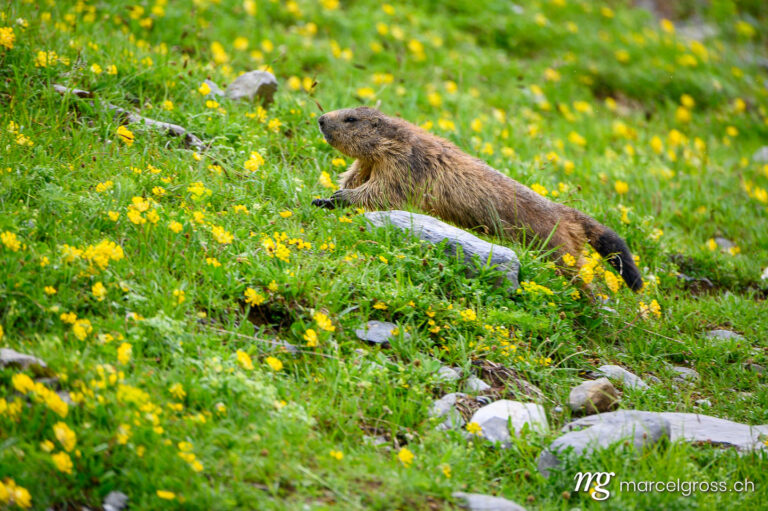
x=181 y=328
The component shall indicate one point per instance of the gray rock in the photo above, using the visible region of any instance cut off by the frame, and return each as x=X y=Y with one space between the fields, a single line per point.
x=764 y=276
x=723 y=335
x=215 y=89
x=259 y=84
x=377 y=332
x=704 y=402
x=593 y=396
x=685 y=374
x=374 y=441
x=478 y=502
x=602 y=430
x=9 y=357
x=497 y=418
x=724 y=243
x=756 y=368
x=690 y=427
x=115 y=501
x=446 y=373
x=433 y=230
x=761 y=155
x=614 y=372
x=475 y=384
x=653 y=379
x=445 y=407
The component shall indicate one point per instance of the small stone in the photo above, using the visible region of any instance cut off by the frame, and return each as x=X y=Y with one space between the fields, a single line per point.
x=479 y=502
x=685 y=374
x=593 y=396
x=9 y=357
x=445 y=407
x=374 y=441
x=614 y=372
x=496 y=419
x=723 y=335
x=259 y=84
x=724 y=243
x=215 y=89
x=557 y=409
x=475 y=251
x=761 y=155
x=115 y=501
x=446 y=373
x=475 y=384
x=377 y=332
x=703 y=402
x=653 y=379
x=764 y=276
x=756 y=368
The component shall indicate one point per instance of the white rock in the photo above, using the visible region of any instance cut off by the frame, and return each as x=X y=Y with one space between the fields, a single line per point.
x=497 y=418
x=475 y=384
x=259 y=84
x=446 y=373
x=630 y=380
x=479 y=502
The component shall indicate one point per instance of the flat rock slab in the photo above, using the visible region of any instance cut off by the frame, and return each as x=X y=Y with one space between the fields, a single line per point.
x=614 y=372
x=497 y=418
x=690 y=427
x=479 y=502
x=253 y=84
x=9 y=357
x=603 y=431
x=377 y=332
x=593 y=396
x=723 y=335
x=761 y=155
x=435 y=231
x=685 y=374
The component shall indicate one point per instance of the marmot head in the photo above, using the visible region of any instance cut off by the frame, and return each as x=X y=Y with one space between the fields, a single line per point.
x=362 y=132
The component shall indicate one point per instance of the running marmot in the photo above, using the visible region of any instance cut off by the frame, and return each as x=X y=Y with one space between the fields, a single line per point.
x=398 y=163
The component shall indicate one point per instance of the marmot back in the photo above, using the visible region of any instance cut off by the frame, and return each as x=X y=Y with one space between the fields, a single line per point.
x=397 y=163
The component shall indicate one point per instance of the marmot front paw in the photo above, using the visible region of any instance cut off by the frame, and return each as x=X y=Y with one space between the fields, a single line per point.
x=324 y=203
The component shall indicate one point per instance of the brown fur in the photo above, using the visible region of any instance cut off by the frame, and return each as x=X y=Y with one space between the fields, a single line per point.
x=398 y=164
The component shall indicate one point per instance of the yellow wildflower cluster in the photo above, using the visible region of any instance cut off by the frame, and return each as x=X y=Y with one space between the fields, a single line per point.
x=652 y=308
x=41 y=394
x=10 y=493
x=276 y=248
x=323 y=321
x=253 y=298
x=534 y=288
x=10 y=241
x=7 y=37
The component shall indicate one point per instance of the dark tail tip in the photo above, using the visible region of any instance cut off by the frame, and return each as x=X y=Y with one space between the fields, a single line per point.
x=609 y=245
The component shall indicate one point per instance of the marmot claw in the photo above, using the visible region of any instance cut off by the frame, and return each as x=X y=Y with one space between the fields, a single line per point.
x=324 y=203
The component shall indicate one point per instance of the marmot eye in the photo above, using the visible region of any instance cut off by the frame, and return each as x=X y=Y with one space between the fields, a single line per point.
x=350 y=119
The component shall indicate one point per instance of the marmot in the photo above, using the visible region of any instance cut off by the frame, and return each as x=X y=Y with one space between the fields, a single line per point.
x=397 y=164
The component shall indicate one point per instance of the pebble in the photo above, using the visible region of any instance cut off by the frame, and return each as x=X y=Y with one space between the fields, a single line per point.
x=593 y=396
x=479 y=502
x=614 y=372
x=497 y=418
x=377 y=332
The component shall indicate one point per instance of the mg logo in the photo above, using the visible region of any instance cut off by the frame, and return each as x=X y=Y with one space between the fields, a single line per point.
x=594 y=483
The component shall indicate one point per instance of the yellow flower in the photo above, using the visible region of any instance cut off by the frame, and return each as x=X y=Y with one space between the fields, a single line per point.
x=212 y=261
x=252 y=297
x=569 y=260
x=366 y=93
x=66 y=437
x=286 y=214
x=180 y=296
x=325 y=179
x=622 y=56
x=380 y=306
x=338 y=455
x=612 y=281
x=10 y=241
x=474 y=428
x=621 y=187
x=125 y=135
x=166 y=495
x=711 y=244
x=254 y=162
x=324 y=322
x=96 y=69
x=177 y=391
x=405 y=456
x=468 y=315
x=682 y=115
x=7 y=37
x=124 y=353
x=222 y=235
x=551 y=75
x=99 y=291
x=113 y=215
x=63 y=462
x=204 y=89
x=49 y=290
x=273 y=286
x=167 y=105
x=536 y=187
x=81 y=328
x=274 y=363
x=22 y=383
x=434 y=99
x=667 y=26
x=46 y=446
x=576 y=139
x=311 y=337
x=244 y=359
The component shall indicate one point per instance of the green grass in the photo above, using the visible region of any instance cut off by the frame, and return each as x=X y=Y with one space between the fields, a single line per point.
x=519 y=90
